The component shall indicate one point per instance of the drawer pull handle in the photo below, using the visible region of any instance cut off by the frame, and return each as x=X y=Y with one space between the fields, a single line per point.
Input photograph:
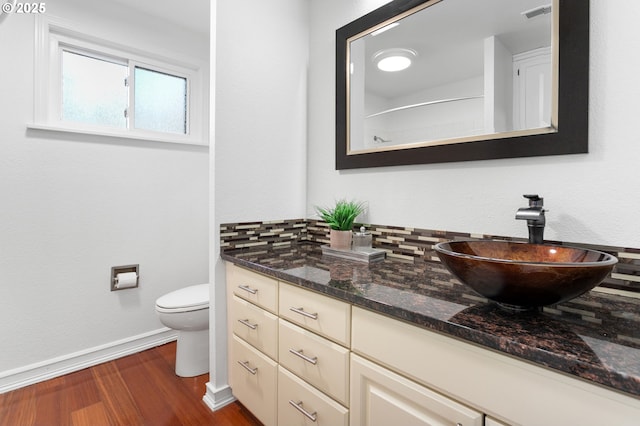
x=248 y=289
x=298 y=406
x=248 y=324
x=302 y=312
x=299 y=353
x=245 y=364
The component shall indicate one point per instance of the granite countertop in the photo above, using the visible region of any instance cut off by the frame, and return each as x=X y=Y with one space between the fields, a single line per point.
x=595 y=337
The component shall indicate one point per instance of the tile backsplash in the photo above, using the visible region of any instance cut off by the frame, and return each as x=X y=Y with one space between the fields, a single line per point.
x=413 y=244
x=254 y=234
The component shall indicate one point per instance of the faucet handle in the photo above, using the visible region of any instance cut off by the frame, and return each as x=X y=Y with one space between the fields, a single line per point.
x=534 y=200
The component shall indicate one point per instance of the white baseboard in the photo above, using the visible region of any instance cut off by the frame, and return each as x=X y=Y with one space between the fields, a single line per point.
x=59 y=366
x=217 y=398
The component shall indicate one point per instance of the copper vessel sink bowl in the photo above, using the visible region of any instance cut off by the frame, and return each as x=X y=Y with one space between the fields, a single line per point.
x=523 y=276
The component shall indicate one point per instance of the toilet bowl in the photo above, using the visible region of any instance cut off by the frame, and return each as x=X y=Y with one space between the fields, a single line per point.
x=187 y=311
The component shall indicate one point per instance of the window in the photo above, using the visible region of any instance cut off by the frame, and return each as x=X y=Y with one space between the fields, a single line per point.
x=93 y=90
x=160 y=101
x=93 y=86
x=96 y=91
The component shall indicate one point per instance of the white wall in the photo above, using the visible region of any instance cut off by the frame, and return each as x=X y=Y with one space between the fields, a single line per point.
x=73 y=206
x=261 y=97
x=592 y=198
x=258 y=161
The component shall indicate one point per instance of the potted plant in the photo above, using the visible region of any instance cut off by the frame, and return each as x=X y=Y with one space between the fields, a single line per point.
x=340 y=219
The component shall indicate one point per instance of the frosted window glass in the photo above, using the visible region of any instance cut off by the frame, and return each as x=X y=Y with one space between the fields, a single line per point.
x=160 y=101
x=93 y=90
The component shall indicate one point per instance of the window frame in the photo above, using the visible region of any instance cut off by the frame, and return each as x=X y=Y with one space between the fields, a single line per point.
x=54 y=35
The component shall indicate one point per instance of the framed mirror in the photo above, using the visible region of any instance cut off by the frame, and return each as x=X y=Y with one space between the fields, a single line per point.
x=481 y=80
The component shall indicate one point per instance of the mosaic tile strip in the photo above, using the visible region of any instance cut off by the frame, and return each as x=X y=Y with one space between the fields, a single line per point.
x=405 y=243
x=252 y=234
x=400 y=242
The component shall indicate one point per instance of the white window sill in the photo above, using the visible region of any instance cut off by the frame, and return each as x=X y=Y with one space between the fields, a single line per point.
x=143 y=136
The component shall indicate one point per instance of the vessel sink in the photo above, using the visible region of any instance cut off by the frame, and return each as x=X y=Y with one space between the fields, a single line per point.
x=524 y=276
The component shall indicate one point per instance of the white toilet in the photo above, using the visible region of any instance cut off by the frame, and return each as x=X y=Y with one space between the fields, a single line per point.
x=187 y=310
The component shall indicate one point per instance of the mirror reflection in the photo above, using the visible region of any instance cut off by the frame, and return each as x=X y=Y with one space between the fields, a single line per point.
x=453 y=71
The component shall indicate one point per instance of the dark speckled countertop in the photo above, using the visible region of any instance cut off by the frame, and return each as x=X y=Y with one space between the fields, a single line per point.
x=595 y=337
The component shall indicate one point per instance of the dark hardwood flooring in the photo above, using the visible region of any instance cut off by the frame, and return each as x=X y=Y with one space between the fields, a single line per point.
x=140 y=389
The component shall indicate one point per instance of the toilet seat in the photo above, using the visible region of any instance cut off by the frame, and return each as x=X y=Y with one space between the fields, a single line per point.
x=192 y=298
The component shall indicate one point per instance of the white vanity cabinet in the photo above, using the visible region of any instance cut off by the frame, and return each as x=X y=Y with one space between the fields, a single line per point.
x=507 y=390
x=315 y=334
x=252 y=302
x=288 y=351
x=314 y=359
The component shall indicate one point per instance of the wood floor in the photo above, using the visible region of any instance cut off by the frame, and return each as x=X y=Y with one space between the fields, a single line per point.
x=141 y=389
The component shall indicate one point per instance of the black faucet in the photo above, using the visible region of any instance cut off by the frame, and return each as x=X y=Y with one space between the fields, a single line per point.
x=534 y=215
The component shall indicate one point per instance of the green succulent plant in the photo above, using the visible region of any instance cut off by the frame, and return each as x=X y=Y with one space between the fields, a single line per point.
x=342 y=216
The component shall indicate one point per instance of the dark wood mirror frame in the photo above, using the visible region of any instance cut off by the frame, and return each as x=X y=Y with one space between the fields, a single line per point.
x=573 y=100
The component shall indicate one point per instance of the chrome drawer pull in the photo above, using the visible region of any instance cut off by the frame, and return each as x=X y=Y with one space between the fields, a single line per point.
x=248 y=324
x=248 y=289
x=245 y=364
x=303 y=313
x=298 y=406
x=299 y=353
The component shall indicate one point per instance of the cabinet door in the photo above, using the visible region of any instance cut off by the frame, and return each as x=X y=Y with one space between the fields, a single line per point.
x=253 y=380
x=380 y=397
x=300 y=404
x=532 y=89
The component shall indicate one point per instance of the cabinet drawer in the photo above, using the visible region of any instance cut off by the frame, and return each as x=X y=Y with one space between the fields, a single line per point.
x=301 y=404
x=326 y=316
x=317 y=360
x=254 y=287
x=381 y=397
x=490 y=421
x=256 y=326
x=253 y=380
